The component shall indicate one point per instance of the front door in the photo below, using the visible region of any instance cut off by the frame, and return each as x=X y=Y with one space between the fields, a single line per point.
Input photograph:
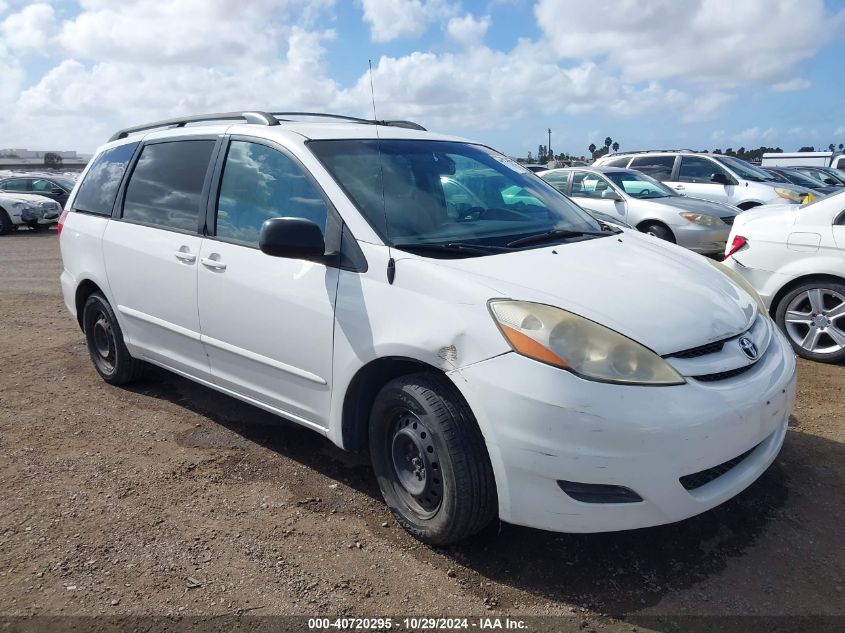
x=695 y=179
x=590 y=191
x=267 y=322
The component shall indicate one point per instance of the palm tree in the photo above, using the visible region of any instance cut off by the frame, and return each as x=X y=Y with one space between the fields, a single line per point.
x=615 y=147
x=841 y=147
x=831 y=147
x=607 y=142
x=592 y=149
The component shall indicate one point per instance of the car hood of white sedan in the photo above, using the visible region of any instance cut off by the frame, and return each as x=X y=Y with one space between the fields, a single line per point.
x=693 y=205
x=654 y=293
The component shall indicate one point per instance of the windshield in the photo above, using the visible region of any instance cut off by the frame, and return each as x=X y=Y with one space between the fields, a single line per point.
x=744 y=170
x=639 y=185
x=836 y=174
x=420 y=192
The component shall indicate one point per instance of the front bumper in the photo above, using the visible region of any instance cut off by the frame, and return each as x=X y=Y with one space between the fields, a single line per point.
x=701 y=239
x=543 y=425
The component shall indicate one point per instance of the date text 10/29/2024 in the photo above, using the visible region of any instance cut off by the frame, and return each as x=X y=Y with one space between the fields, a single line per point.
x=416 y=624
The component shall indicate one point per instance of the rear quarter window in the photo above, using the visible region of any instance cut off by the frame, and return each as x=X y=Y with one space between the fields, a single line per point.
x=97 y=192
x=658 y=167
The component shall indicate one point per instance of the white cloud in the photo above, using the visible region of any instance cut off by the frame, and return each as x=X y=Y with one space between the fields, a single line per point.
x=755 y=135
x=468 y=30
x=30 y=29
x=694 y=40
x=791 y=85
x=392 y=19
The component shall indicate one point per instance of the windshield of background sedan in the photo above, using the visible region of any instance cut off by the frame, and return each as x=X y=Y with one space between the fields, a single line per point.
x=743 y=169
x=451 y=195
x=639 y=185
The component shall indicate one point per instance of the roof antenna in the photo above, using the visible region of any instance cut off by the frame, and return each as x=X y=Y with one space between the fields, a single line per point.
x=391 y=263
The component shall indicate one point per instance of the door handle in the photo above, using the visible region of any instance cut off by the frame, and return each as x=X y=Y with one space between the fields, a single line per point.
x=188 y=258
x=213 y=263
x=678 y=187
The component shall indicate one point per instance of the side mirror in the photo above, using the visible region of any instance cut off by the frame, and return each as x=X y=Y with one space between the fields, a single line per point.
x=293 y=238
x=610 y=194
x=830 y=181
x=720 y=179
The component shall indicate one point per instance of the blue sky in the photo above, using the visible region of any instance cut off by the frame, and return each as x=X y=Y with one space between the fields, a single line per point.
x=649 y=73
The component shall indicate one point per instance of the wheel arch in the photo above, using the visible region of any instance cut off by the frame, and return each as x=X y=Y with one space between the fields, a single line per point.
x=800 y=281
x=362 y=390
x=84 y=289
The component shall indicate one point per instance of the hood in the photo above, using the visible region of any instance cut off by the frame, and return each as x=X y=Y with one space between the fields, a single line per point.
x=770 y=215
x=32 y=198
x=693 y=205
x=656 y=293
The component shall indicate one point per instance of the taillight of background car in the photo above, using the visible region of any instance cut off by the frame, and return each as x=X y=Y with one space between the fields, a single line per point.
x=738 y=243
x=61 y=221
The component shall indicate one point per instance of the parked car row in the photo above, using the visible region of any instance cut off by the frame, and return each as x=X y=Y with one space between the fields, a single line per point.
x=33 y=200
x=498 y=351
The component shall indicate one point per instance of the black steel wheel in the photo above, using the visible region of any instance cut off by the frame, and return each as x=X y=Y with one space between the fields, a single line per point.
x=431 y=460
x=108 y=352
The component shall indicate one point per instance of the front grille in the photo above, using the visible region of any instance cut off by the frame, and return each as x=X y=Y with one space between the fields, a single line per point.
x=701 y=350
x=723 y=375
x=728 y=219
x=699 y=479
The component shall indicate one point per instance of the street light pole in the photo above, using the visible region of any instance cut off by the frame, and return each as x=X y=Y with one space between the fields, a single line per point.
x=551 y=154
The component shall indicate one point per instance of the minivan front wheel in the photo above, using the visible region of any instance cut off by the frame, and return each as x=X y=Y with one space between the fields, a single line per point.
x=105 y=343
x=431 y=460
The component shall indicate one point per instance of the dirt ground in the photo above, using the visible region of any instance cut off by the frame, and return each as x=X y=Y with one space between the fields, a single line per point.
x=168 y=498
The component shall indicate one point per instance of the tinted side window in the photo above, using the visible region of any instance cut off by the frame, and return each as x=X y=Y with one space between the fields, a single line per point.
x=618 y=162
x=695 y=169
x=15 y=184
x=260 y=183
x=42 y=185
x=98 y=190
x=659 y=167
x=557 y=179
x=586 y=185
x=166 y=185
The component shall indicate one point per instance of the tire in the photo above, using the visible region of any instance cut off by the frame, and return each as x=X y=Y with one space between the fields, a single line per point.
x=6 y=225
x=745 y=206
x=658 y=230
x=812 y=316
x=430 y=460
x=105 y=343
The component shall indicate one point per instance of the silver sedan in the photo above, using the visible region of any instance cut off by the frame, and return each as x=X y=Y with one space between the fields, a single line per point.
x=647 y=204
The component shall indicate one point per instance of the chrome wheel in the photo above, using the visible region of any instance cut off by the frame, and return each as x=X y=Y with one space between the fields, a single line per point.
x=416 y=465
x=815 y=321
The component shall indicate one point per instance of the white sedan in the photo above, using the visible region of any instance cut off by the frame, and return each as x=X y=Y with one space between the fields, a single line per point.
x=795 y=259
x=26 y=209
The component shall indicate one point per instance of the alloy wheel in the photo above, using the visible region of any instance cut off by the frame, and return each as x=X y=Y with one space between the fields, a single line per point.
x=815 y=321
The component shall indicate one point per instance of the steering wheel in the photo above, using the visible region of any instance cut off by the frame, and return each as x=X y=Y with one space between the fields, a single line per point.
x=644 y=192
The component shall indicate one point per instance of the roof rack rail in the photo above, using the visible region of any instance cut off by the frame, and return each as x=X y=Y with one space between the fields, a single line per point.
x=653 y=151
x=393 y=123
x=259 y=118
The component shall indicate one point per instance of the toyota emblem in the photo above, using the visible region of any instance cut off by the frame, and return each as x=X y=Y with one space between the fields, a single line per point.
x=748 y=348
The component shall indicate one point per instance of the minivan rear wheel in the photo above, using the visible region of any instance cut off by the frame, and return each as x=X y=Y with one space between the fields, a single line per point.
x=430 y=459
x=813 y=317
x=105 y=343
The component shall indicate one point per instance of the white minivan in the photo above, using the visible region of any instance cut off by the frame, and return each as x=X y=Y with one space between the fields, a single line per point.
x=497 y=351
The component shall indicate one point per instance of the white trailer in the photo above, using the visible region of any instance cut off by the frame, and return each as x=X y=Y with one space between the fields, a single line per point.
x=804 y=159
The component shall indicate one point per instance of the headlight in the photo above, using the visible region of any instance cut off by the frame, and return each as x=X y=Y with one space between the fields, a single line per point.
x=699 y=218
x=566 y=340
x=794 y=196
x=48 y=204
x=742 y=282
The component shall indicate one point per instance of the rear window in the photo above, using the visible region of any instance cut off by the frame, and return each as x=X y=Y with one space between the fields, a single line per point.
x=99 y=189
x=165 y=187
x=659 y=167
x=618 y=162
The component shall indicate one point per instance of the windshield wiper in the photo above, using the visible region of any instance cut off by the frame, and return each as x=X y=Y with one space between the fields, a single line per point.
x=548 y=235
x=452 y=247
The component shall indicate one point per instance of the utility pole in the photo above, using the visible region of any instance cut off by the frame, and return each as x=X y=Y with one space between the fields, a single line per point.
x=551 y=153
